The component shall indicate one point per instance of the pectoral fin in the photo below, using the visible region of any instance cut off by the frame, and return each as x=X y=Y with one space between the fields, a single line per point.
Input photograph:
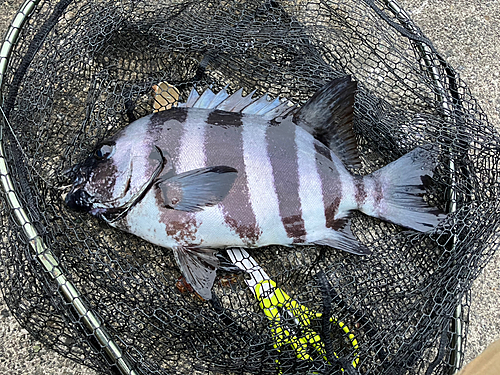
x=194 y=190
x=199 y=267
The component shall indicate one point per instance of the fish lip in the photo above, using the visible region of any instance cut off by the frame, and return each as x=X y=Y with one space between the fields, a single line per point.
x=119 y=212
x=78 y=199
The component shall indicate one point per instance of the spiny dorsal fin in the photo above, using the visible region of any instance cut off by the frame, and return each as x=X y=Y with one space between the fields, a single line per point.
x=192 y=98
x=269 y=109
x=328 y=116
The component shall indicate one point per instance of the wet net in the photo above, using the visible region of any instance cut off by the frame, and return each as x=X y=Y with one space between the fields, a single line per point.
x=75 y=72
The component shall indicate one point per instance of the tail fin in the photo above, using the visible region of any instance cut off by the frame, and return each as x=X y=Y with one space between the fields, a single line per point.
x=395 y=192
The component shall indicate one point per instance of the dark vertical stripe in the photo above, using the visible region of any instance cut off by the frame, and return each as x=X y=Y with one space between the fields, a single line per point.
x=360 y=192
x=224 y=146
x=166 y=129
x=159 y=118
x=331 y=184
x=282 y=152
x=323 y=150
x=378 y=193
x=223 y=118
x=179 y=225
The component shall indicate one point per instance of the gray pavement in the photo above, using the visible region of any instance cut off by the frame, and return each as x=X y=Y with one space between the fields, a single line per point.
x=467 y=33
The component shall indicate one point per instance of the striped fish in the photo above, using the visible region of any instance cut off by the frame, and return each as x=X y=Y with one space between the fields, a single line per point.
x=223 y=171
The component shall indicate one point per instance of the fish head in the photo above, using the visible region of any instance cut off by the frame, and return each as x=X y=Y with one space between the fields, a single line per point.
x=116 y=174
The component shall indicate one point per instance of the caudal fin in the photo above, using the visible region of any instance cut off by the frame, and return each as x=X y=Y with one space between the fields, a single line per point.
x=395 y=192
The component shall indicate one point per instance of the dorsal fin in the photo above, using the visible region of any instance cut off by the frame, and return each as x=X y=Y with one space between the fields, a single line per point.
x=328 y=116
x=269 y=109
x=205 y=99
x=192 y=98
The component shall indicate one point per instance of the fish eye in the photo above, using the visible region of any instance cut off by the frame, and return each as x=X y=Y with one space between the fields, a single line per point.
x=104 y=152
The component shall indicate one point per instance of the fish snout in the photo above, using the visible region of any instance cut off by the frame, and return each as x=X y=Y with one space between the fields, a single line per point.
x=78 y=200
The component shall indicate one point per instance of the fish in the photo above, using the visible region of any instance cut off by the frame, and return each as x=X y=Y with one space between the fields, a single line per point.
x=225 y=171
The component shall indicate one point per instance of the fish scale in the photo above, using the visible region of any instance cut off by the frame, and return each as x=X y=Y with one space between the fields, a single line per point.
x=261 y=182
x=237 y=206
x=222 y=171
x=191 y=151
x=281 y=142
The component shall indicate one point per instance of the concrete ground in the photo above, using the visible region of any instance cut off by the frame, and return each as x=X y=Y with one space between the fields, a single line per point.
x=466 y=32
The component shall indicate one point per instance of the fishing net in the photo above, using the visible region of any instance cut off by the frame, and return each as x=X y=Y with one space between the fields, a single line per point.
x=75 y=72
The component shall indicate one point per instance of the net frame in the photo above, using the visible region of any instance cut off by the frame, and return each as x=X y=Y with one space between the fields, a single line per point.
x=74 y=298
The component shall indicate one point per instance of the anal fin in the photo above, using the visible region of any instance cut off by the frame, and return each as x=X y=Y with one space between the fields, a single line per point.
x=344 y=240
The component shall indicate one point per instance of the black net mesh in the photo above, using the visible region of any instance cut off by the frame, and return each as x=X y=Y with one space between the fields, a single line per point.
x=84 y=69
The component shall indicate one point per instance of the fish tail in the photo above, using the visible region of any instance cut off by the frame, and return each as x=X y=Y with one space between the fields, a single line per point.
x=395 y=192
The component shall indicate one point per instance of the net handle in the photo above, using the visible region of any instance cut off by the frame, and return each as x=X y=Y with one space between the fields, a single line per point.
x=67 y=289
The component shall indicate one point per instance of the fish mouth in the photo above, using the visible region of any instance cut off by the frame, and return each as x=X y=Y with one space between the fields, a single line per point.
x=79 y=200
